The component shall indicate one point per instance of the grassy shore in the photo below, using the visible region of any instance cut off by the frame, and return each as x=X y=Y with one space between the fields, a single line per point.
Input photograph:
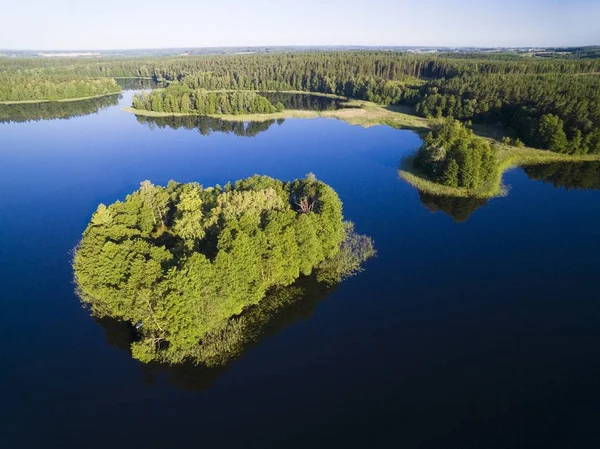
x=358 y=112
x=63 y=100
x=366 y=114
x=508 y=157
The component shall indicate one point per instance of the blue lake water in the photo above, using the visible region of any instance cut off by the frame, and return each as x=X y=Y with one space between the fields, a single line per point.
x=481 y=332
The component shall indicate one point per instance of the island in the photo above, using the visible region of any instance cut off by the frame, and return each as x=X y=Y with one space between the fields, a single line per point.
x=453 y=161
x=183 y=264
x=180 y=99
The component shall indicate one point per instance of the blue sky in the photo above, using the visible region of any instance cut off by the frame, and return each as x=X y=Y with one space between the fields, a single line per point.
x=121 y=24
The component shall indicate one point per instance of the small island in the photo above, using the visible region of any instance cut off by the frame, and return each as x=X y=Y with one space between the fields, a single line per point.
x=181 y=99
x=182 y=263
x=455 y=162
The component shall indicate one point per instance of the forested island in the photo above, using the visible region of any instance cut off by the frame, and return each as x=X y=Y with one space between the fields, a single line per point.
x=453 y=156
x=184 y=264
x=180 y=99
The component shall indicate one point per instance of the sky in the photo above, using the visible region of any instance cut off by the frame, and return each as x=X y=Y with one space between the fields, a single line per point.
x=133 y=24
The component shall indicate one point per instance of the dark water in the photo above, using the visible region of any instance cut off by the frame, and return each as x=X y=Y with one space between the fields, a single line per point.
x=478 y=331
x=305 y=101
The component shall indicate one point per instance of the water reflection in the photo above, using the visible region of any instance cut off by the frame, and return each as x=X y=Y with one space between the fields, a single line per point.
x=138 y=83
x=208 y=125
x=283 y=307
x=26 y=112
x=571 y=175
x=460 y=209
x=305 y=101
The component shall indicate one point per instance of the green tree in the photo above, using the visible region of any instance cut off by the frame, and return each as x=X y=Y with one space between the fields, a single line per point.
x=552 y=134
x=451 y=173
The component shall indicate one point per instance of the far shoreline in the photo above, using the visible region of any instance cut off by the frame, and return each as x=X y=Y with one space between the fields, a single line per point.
x=62 y=100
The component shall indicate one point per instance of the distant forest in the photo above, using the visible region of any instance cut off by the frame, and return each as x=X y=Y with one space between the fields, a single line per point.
x=42 y=87
x=547 y=102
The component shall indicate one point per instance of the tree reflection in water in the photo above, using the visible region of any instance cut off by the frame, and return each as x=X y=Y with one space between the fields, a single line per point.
x=571 y=175
x=282 y=308
x=208 y=125
x=51 y=110
x=460 y=209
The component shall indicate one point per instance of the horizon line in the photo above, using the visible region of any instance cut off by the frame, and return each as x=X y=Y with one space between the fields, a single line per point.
x=298 y=46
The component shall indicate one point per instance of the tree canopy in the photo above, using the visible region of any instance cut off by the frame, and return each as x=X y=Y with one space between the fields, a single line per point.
x=16 y=87
x=454 y=156
x=180 y=99
x=179 y=262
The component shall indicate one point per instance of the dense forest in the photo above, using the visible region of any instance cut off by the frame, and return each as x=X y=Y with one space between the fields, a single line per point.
x=452 y=155
x=15 y=87
x=181 y=262
x=558 y=112
x=179 y=98
x=551 y=103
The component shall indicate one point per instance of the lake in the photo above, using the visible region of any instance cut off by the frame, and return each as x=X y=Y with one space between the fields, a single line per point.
x=476 y=326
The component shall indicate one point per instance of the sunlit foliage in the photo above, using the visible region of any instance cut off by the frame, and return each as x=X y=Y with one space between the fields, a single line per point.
x=180 y=99
x=179 y=262
x=16 y=87
x=454 y=156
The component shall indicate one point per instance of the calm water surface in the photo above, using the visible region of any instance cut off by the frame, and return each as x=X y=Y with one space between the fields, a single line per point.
x=304 y=101
x=477 y=326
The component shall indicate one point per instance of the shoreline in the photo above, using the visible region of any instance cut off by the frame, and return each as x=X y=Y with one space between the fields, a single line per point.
x=62 y=100
x=360 y=112
x=366 y=114
x=508 y=158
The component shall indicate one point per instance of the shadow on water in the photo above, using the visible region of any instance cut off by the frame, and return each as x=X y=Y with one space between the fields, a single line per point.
x=280 y=309
x=208 y=125
x=570 y=175
x=27 y=112
x=574 y=175
x=460 y=209
x=139 y=83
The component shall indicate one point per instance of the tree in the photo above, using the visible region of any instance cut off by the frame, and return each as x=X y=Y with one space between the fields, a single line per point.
x=154 y=199
x=552 y=134
x=451 y=173
x=188 y=221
